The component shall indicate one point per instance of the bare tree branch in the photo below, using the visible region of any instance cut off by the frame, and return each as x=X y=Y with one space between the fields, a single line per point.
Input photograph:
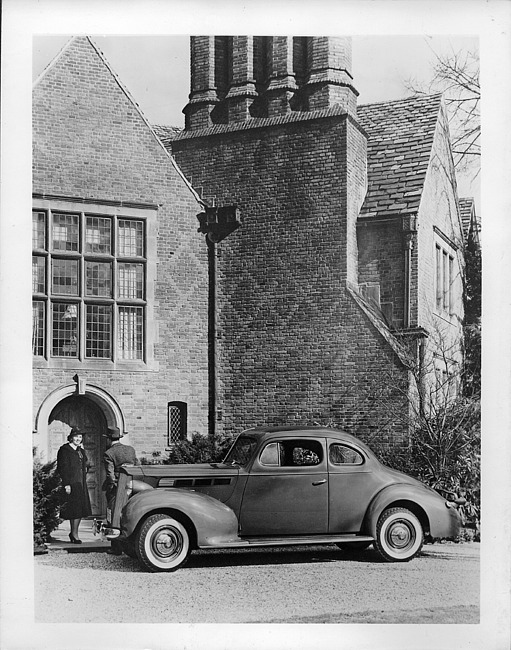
x=456 y=75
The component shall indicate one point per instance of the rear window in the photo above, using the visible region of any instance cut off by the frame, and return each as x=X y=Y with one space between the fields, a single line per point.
x=344 y=455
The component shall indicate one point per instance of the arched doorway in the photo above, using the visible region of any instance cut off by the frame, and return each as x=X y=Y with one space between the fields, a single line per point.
x=81 y=412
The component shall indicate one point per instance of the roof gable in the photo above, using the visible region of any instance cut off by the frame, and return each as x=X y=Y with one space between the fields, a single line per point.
x=400 y=136
x=82 y=59
x=89 y=131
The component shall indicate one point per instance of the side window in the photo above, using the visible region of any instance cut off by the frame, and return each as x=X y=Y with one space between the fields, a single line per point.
x=343 y=455
x=292 y=453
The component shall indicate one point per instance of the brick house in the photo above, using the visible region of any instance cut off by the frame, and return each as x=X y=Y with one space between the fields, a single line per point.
x=119 y=270
x=325 y=279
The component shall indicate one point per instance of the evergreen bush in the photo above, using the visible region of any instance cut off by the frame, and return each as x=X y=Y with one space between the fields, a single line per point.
x=46 y=500
x=200 y=449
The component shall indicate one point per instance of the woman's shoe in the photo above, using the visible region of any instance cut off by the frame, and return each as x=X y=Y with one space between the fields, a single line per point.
x=74 y=540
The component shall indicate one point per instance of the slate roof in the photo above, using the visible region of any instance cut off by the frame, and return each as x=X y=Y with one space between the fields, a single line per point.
x=469 y=219
x=166 y=134
x=399 y=140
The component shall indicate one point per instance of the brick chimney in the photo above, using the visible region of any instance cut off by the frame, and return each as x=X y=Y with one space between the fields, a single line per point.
x=203 y=94
x=237 y=78
x=330 y=80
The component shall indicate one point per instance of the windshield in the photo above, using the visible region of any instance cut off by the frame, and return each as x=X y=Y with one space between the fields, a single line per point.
x=241 y=452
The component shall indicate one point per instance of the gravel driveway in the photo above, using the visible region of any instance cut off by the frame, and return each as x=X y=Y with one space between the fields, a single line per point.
x=317 y=584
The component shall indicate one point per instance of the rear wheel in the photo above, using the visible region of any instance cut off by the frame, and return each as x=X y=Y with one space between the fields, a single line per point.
x=399 y=535
x=162 y=543
x=353 y=547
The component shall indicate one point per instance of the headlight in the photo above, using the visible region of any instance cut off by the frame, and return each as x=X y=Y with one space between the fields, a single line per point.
x=135 y=485
x=129 y=488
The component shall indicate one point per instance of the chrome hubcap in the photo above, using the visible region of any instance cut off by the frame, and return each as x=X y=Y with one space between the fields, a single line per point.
x=167 y=543
x=400 y=535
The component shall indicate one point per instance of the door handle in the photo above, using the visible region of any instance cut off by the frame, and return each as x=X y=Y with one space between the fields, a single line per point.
x=319 y=482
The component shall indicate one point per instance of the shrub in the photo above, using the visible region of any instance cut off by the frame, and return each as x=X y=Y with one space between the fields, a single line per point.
x=444 y=453
x=200 y=449
x=46 y=500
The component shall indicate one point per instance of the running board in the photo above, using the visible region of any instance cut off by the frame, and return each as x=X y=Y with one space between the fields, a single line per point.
x=245 y=542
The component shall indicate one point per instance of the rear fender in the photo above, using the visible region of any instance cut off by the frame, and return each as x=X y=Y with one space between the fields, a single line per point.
x=214 y=522
x=406 y=496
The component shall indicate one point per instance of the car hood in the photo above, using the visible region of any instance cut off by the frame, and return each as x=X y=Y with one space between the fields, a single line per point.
x=195 y=469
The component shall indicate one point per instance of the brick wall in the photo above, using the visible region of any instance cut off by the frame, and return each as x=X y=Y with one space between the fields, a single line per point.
x=91 y=142
x=292 y=344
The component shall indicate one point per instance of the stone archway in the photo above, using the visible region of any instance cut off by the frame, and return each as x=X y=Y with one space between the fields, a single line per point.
x=90 y=408
x=111 y=410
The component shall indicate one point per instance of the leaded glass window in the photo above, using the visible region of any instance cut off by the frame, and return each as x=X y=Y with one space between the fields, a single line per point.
x=86 y=289
x=38 y=230
x=65 y=232
x=98 y=279
x=130 y=281
x=98 y=234
x=38 y=274
x=130 y=238
x=65 y=277
x=130 y=332
x=177 y=422
x=64 y=329
x=38 y=328
x=98 y=331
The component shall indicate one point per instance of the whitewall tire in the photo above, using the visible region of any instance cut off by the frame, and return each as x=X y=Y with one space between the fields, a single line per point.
x=399 y=535
x=162 y=543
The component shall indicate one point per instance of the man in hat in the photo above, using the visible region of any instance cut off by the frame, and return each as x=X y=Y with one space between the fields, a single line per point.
x=114 y=458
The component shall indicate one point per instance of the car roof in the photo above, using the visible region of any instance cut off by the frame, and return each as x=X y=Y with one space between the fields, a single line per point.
x=310 y=431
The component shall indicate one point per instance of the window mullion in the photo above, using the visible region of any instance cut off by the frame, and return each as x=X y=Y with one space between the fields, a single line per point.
x=81 y=325
x=47 y=310
x=115 y=323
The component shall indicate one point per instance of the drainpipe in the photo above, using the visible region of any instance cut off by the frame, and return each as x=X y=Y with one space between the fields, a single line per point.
x=212 y=329
x=410 y=232
x=217 y=222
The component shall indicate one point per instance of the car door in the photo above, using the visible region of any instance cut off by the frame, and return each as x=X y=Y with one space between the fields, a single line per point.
x=287 y=489
x=352 y=485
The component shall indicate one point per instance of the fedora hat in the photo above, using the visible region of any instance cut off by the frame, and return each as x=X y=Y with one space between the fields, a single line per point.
x=113 y=433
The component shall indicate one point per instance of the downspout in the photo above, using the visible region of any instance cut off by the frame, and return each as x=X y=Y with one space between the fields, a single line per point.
x=217 y=222
x=409 y=232
x=408 y=273
x=212 y=330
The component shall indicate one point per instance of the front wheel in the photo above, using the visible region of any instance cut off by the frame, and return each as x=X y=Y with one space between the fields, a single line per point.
x=399 y=535
x=162 y=543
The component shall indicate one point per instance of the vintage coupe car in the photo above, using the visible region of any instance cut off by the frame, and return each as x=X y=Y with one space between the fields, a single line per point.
x=277 y=486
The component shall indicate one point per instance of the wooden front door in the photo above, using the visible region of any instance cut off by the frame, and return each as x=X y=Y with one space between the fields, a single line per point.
x=83 y=413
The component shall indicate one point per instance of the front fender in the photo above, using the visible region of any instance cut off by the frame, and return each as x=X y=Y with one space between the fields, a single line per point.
x=438 y=519
x=214 y=522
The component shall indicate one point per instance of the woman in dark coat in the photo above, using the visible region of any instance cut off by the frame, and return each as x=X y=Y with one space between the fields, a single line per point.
x=72 y=466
